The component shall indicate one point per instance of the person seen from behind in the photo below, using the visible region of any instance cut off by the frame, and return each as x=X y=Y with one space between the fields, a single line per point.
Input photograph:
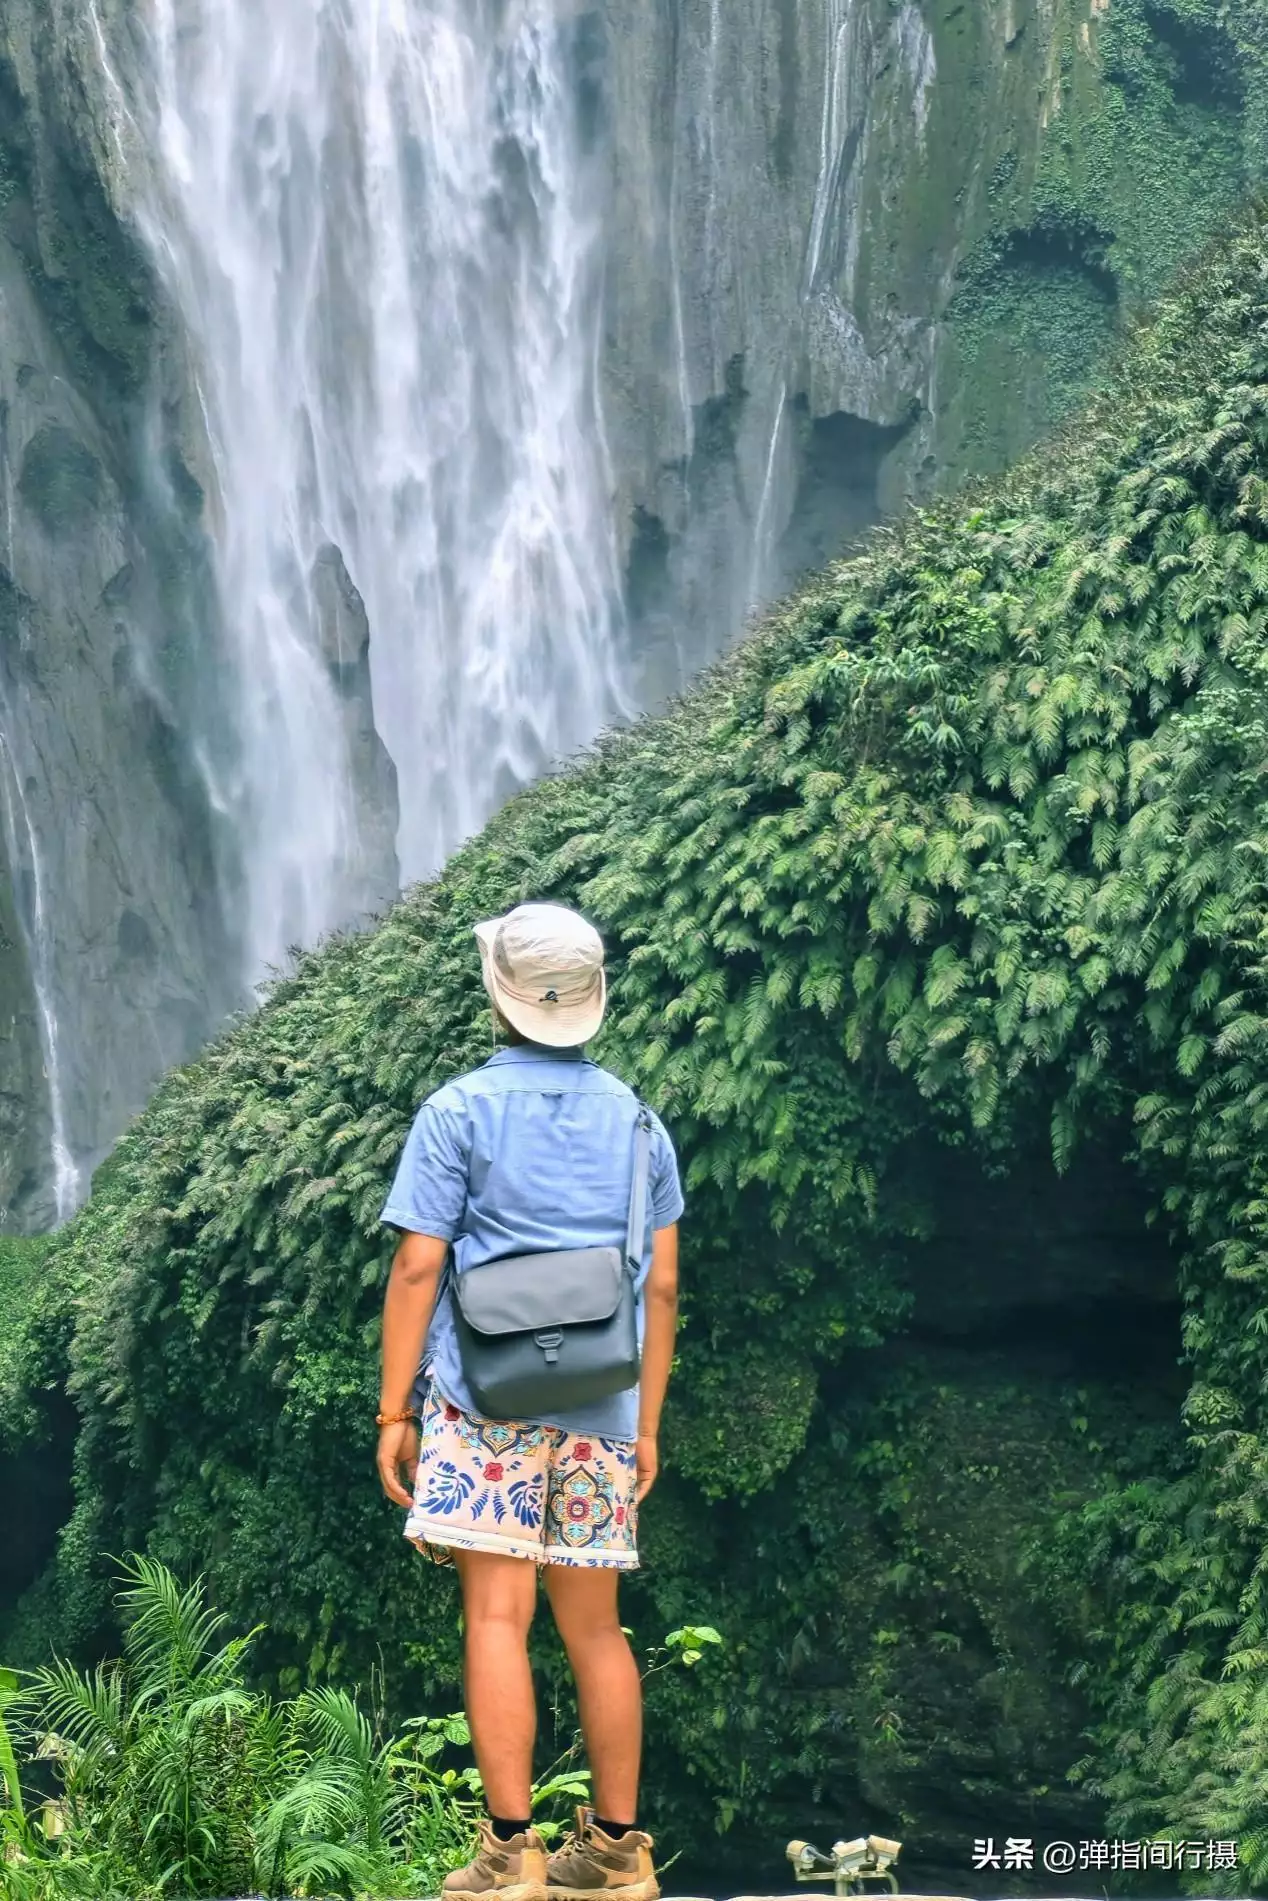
x=528 y=1155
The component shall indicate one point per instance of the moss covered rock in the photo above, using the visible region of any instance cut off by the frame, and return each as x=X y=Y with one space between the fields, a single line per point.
x=1146 y=123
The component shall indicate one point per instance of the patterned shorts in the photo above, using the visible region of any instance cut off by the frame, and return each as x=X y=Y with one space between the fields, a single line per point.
x=525 y=1491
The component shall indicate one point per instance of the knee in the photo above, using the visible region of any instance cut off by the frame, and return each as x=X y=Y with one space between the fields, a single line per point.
x=587 y=1629
x=585 y=1608
x=498 y=1617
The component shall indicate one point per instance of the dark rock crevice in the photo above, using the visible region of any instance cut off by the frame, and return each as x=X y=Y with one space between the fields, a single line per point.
x=828 y=493
x=1201 y=59
x=1041 y=1349
x=369 y=878
x=838 y=487
x=37 y=1488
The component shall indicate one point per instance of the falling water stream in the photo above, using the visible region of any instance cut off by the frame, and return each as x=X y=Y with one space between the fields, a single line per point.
x=838 y=66
x=377 y=223
x=22 y=852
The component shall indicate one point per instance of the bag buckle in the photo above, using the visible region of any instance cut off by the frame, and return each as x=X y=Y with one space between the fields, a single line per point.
x=550 y=1344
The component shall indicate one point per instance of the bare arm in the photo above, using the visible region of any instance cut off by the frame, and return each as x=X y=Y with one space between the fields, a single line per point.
x=407 y=1312
x=660 y=1299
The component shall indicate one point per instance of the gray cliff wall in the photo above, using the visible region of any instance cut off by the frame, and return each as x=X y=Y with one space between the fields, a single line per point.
x=861 y=249
x=24 y=1133
x=112 y=945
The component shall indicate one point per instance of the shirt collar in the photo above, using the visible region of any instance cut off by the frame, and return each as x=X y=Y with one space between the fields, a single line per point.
x=536 y=1053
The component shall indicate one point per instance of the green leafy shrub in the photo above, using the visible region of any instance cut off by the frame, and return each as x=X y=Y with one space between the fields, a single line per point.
x=178 y=1779
x=21 y=1260
x=965 y=844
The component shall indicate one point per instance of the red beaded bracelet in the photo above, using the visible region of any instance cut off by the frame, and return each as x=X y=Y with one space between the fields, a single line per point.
x=393 y=1419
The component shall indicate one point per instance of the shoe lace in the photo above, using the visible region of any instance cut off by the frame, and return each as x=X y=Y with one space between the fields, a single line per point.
x=571 y=1842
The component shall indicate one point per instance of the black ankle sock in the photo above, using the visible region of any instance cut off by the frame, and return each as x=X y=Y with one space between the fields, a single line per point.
x=504 y=1830
x=613 y=1830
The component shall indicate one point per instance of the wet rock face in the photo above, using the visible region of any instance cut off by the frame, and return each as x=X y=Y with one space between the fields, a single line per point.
x=743 y=138
x=114 y=927
x=60 y=480
x=369 y=878
x=859 y=249
x=24 y=1135
x=113 y=887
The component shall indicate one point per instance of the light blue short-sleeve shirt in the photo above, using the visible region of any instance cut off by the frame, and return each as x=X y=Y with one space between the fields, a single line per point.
x=530 y=1152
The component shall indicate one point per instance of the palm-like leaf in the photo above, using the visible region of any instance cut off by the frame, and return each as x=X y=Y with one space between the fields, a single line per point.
x=317 y=1826
x=169 y=1634
x=335 y=1865
x=181 y=1781
x=372 y=1776
x=86 y=1711
x=8 y=1760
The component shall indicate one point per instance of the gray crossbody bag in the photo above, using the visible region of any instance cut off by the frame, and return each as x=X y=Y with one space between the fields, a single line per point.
x=539 y=1333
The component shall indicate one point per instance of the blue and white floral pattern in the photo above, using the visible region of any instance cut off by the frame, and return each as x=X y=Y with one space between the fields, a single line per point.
x=522 y=1489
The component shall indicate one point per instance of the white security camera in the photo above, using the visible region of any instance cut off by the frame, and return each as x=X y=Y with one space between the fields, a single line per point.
x=850 y=1866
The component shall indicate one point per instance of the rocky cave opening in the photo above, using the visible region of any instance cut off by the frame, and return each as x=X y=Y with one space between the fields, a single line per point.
x=1205 y=69
x=675 y=581
x=1039 y=1363
x=1066 y=1274
x=37 y=1487
x=838 y=487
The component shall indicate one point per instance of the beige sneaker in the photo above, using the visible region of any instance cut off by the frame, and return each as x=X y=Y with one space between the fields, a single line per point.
x=514 y=1870
x=590 y=1866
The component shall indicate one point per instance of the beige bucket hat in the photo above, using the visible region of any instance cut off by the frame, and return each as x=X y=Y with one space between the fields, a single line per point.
x=543 y=968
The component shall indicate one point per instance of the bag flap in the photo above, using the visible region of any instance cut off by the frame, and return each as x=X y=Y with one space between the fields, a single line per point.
x=528 y=1292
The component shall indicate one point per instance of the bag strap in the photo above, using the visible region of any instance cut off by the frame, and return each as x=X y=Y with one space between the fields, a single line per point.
x=638 y=1191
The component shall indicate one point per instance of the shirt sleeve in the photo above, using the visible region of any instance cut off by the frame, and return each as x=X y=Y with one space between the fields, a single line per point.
x=429 y=1194
x=666 y=1189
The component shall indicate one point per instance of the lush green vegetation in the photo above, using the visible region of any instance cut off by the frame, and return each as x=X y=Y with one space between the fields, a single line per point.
x=1153 y=127
x=957 y=862
x=20 y=1262
x=175 y=1777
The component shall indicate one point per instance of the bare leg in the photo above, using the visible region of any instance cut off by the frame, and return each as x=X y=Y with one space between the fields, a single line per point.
x=609 y=1693
x=499 y=1596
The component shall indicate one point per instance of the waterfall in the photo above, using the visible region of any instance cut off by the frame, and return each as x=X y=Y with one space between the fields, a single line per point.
x=377 y=222
x=839 y=61
x=22 y=851
x=30 y=893
x=763 y=552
